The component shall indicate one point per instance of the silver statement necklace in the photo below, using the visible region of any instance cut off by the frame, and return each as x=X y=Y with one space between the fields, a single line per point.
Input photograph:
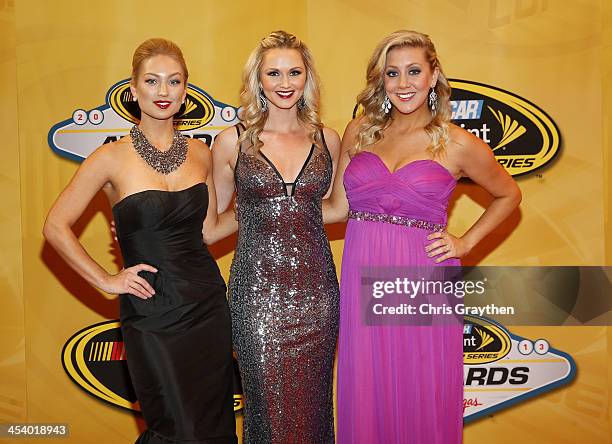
x=162 y=161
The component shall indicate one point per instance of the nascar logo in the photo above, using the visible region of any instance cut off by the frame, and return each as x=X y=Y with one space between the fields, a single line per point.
x=522 y=136
x=94 y=358
x=75 y=138
x=197 y=110
x=501 y=369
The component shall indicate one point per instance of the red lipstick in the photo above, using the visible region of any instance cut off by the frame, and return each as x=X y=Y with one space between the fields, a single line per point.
x=163 y=104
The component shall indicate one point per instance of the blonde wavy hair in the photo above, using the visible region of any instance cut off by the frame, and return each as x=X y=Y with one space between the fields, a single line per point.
x=370 y=100
x=253 y=116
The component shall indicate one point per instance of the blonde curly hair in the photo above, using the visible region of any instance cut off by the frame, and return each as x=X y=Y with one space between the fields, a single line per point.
x=253 y=116
x=375 y=121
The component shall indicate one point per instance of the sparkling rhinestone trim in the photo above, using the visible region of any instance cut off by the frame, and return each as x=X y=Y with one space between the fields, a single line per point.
x=396 y=220
x=161 y=161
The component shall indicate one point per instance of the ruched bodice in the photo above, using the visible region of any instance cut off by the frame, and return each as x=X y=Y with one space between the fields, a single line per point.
x=419 y=190
x=396 y=383
x=164 y=229
x=178 y=342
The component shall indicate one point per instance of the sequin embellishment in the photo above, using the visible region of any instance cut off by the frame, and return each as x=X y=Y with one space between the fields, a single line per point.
x=396 y=220
x=284 y=301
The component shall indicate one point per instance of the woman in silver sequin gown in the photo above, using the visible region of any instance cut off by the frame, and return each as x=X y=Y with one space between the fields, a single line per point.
x=283 y=287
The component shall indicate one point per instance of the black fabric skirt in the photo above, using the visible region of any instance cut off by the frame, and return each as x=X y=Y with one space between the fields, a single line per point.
x=180 y=364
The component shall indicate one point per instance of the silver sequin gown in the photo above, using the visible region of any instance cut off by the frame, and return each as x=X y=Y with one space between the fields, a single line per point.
x=284 y=301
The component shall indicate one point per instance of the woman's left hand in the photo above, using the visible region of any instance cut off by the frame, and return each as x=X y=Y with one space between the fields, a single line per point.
x=446 y=246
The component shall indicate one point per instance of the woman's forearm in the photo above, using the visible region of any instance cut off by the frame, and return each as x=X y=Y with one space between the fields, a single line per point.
x=334 y=212
x=226 y=225
x=493 y=216
x=64 y=241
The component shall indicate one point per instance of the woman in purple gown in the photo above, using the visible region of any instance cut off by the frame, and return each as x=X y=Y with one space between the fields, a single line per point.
x=400 y=163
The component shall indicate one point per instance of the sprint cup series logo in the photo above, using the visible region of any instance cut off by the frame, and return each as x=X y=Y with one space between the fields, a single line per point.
x=484 y=342
x=94 y=358
x=501 y=369
x=521 y=135
x=76 y=138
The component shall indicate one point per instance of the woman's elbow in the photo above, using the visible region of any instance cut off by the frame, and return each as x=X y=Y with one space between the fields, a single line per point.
x=208 y=239
x=342 y=212
x=210 y=236
x=517 y=196
x=50 y=230
x=336 y=216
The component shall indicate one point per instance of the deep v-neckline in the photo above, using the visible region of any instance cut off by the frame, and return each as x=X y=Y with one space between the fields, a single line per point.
x=280 y=176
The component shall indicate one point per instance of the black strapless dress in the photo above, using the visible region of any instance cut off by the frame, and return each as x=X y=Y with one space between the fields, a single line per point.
x=178 y=343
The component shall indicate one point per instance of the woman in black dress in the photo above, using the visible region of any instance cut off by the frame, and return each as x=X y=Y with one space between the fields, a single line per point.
x=174 y=314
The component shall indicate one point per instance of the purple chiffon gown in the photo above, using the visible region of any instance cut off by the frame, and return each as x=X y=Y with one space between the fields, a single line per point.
x=396 y=384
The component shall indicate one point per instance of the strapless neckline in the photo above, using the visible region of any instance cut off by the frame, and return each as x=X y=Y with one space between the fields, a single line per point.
x=414 y=162
x=130 y=196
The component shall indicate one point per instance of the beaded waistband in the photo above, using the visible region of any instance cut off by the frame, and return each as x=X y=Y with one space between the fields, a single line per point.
x=396 y=220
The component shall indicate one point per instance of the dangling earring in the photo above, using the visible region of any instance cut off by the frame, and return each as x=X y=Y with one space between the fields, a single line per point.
x=433 y=101
x=135 y=99
x=301 y=103
x=386 y=105
x=263 y=101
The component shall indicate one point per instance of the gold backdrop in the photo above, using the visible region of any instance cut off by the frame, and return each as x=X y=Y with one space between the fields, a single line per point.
x=62 y=55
